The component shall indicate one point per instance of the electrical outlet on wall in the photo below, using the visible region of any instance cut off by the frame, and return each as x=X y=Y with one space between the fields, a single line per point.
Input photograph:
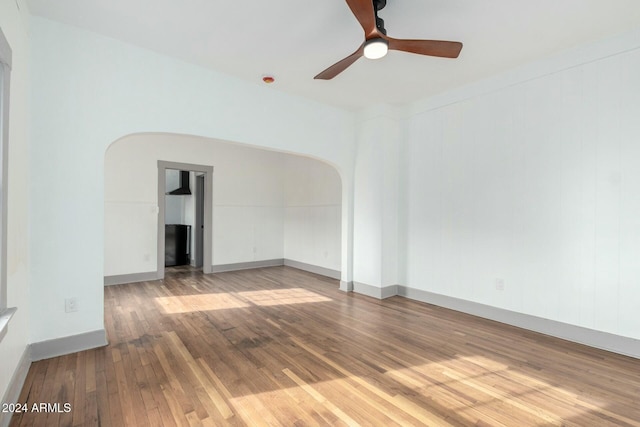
x=70 y=305
x=499 y=284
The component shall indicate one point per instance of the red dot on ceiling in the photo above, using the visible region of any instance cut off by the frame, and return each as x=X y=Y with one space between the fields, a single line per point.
x=268 y=79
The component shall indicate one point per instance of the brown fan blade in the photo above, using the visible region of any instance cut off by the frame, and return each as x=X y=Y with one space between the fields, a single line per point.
x=439 y=48
x=341 y=65
x=365 y=14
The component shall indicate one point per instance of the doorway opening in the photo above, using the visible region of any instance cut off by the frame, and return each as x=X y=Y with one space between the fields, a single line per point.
x=184 y=217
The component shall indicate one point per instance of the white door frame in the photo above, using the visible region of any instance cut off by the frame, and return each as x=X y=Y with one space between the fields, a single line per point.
x=208 y=210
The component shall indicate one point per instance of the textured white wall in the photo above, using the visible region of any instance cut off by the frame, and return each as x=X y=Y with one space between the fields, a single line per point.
x=312 y=212
x=375 y=248
x=533 y=185
x=248 y=207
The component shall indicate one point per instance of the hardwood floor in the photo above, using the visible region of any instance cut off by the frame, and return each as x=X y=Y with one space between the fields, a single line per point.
x=279 y=346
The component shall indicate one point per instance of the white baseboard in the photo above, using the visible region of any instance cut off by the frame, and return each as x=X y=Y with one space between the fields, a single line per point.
x=374 y=291
x=15 y=385
x=598 y=339
x=323 y=271
x=221 y=268
x=67 y=345
x=578 y=334
x=130 y=278
x=346 y=286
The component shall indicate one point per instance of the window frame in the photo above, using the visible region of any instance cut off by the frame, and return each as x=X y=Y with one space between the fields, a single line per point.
x=5 y=85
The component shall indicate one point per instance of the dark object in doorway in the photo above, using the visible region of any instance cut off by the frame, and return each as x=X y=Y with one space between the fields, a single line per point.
x=177 y=244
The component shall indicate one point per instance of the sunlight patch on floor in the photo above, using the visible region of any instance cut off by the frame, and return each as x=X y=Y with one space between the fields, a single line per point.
x=282 y=297
x=323 y=399
x=475 y=375
x=223 y=301
x=203 y=302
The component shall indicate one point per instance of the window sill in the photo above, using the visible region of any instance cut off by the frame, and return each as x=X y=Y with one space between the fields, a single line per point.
x=5 y=317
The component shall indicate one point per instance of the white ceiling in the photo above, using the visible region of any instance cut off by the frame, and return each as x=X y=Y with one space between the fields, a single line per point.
x=296 y=39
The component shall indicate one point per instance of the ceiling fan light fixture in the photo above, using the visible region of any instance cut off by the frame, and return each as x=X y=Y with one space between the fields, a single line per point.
x=376 y=48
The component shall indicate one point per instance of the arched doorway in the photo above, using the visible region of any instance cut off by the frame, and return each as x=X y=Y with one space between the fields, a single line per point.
x=267 y=207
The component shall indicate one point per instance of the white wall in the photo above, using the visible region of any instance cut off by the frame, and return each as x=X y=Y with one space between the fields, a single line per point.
x=15 y=26
x=247 y=207
x=534 y=185
x=376 y=199
x=312 y=213
x=88 y=91
x=247 y=200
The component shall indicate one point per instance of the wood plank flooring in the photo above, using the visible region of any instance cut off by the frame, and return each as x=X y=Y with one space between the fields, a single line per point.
x=279 y=346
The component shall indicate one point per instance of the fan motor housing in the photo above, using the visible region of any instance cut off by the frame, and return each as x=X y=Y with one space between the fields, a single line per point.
x=380 y=25
x=379 y=4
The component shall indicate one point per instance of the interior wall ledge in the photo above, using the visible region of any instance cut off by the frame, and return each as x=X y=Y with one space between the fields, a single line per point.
x=5 y=318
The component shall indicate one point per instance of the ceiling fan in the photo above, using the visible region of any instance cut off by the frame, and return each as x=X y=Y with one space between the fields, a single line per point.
x=377 y=43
